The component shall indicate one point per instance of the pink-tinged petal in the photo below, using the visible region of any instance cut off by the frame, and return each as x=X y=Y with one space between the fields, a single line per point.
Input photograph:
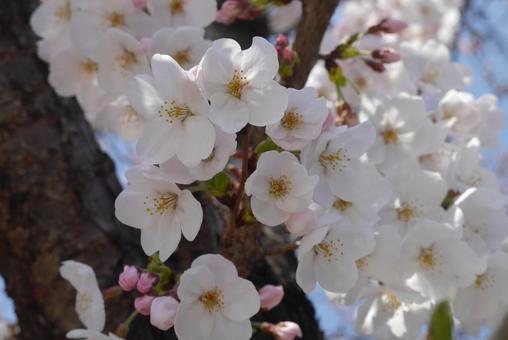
x=169 y=76
x=158 y=142
x=229 y=113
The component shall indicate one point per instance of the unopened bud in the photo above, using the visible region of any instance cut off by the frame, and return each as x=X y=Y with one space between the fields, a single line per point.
x=386 y=55
x=376 y=66
x=388 y=25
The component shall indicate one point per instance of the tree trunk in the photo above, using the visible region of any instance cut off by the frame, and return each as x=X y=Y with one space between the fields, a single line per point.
x=57 y=190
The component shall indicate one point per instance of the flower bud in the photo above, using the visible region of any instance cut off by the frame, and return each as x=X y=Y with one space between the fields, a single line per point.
x=285 y=330
x=139 y=4
x=376 y=66
x=128 y=279
x=228 y=12
x=163 y=312
x=282 y=41
x=146 y=282
x=143 y=304
x=386 y=55
x=288 y=56
x=270 y=296
x=388 y=25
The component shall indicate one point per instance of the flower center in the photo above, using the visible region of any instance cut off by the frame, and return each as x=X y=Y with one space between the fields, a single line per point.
x=328 y=249
x=83 y=302
x=362 y=263
x=176 y=6
x=361 y=82
x=291 y=120
x=237 y=84
x=330 y=160
x=280 y=187
x=159 y=205
x=212 y=300
x=115 y=19
x=430 y=76
x=127 y=59
x=171 y=111
x=89 y=67
x=448 y=114
x=63 y=12
x=405 y=212
x=130 y=115
x=483 y=281
x=389 y=135
x=182 y=57
x=390 y=301
x=342 y=205
x=427 y=258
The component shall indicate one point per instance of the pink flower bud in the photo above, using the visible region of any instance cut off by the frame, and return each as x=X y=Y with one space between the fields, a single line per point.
x=285 y=330
x=386 y=55
x=228 y=12
x=163 y=312
x=376 y=66
x=389 y=25
x=139 y=4
x=146 y=282
x=288 y=56
x=128 y=279
x=282 y=40
x=301 y=223
x=270 y=296
x=143 y=304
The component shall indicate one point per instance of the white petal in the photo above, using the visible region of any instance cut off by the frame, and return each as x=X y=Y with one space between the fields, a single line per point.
x=197 y=143
x=241 y=300
x=229 y=113
x=192 y=216
x=266 y=105
x=158 y=142
x=305 y=276
x=143 y=96
x=259 y=62
x=267 y=212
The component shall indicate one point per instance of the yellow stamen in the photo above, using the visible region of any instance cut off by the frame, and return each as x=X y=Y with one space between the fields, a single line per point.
x=127 y=59
x=237 y=84
x=342 y=205
x=162 y=203
x=89 y=67
x=212 y=300
x=280 y=187
x=182 y=57
x=64 y=12
x=291 y=120
x=176 y=6
x=427 y=258
x=405 y=212
x=389 y=135
x=173 y=111
x=115 y=19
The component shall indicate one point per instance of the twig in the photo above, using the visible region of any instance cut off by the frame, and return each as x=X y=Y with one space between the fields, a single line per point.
x=316 y=15
x=245 y=173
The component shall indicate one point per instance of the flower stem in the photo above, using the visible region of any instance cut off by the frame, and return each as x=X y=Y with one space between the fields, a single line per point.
x=245 y=173
x=123 y=329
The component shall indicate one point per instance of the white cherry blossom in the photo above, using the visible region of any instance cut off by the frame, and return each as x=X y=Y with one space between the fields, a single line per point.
x=89 y=301
x=184 y=44
x=176 y=13
x=302 y=121
x=240 y=85
x=327 y=256
x=120 y=57
x=92 y=18
x=90 y=335
x=335 y=157
x=224 y=147
x=176 y=114
x=160 y=209
x=417 y=196
x=404 y=131
x=52 y=18
x=121 y=118
x=215 y=303
x=279 y=186
x=436 y=261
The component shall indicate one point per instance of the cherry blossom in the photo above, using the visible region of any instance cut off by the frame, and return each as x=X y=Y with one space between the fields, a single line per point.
x=176 y=114
x=302 y=120
x=240 y=85
x=160 y=209
x=89 y=302
x=212 y=294
x=176 y=13
x=163 y=312
x=279 y=186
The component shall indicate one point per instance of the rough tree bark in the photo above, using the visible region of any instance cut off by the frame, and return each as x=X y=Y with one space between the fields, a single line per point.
x=57 y=190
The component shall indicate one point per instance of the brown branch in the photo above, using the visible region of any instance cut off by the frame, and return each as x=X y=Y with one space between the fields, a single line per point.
x=245 y=173
x=281 y=249
x=316 y=16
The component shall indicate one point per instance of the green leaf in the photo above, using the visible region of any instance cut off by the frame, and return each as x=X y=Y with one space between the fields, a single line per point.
x=441 y=323
x=266 y=145
x=219 y=184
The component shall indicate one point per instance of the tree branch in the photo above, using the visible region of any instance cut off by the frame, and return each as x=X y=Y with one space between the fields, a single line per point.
x=316 y=16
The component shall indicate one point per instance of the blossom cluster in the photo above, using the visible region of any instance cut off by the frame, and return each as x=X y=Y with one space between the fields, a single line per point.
x=391 y=208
